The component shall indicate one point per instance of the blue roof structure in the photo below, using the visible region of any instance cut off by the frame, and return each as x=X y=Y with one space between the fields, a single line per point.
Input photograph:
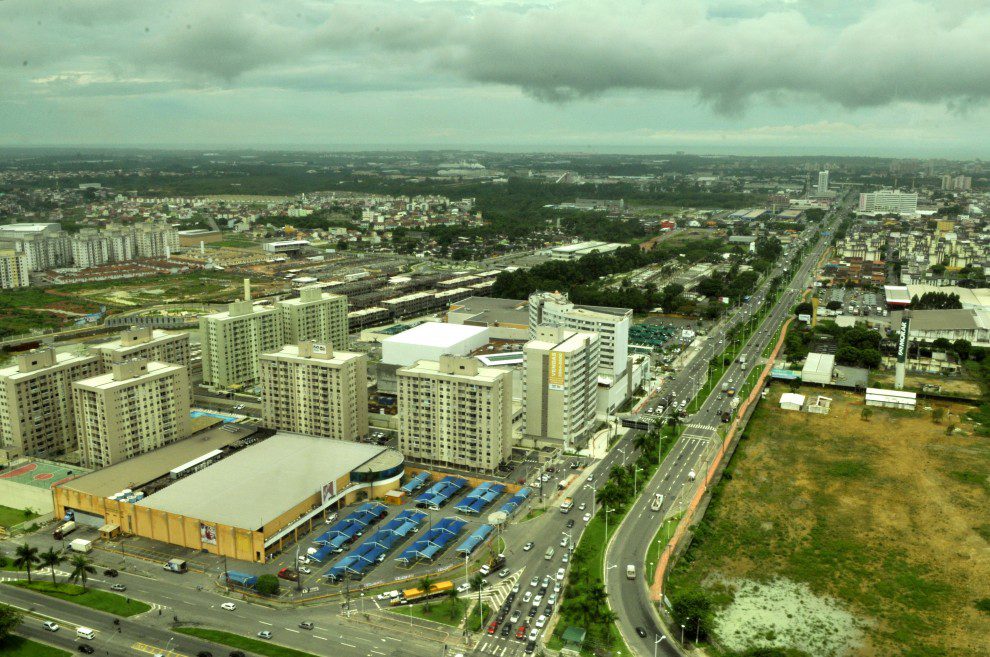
x=516 y=501
x=416 y=483
x=363 y=558
x=241 y=579
x=480 y=497
x=430 y=546
x=441 y=492
x=344 y=531
x=474 y=540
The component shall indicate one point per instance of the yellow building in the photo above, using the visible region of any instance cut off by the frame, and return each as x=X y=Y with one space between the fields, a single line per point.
x=239 y=502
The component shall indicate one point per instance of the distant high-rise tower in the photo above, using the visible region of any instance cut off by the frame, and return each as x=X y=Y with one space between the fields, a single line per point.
x=823 y=181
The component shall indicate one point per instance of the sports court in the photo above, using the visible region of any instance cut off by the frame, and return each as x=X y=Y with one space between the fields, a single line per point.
x=40 y=474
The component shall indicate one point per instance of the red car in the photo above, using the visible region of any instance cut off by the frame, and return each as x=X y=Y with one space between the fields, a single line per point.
x=521 y=632
x=493 y=627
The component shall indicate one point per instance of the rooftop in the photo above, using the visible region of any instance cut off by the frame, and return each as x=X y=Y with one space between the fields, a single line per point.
x=233 y=491
x=291 y=352
x=436 y=334
x=61 y=359
x=108 y=382
x=432 y=368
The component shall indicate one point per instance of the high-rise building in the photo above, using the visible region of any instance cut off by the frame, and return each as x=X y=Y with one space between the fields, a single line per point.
x=962 y=183
x=313 y=389
x=823 y=182
x=36 y=415
x=233 y=340
x=946 y=182
x=889 y=200
x=611 y=325
x=137 y=407
x=90 y=248
x=46 y=245
x=315 y=315
x=560 y=385
x=145 y=343
x=14 y=271
x=455 y=413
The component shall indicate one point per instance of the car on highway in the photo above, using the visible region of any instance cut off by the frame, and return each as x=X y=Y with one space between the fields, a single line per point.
x=586 y=517
x=118 y=587
x=229 y=606
x=641 y=632
x=110 y=572
x=50 y=626
x=307 y=625
x=264 y=634
x=86 y=650
x=528 y=546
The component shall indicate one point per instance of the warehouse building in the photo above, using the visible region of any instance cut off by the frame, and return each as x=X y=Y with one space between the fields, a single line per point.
x=818 y=368
x=233 y=507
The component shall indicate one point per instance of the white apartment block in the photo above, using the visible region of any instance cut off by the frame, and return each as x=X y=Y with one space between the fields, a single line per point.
x=36 y=415
x=311 y=388
x=611 y=325
x=455 y=413
x=14 y=271
x=315 y=315
x=137 y=407
x=889 y=200
x=560 y=385
x=822 y=182
x=144 y=343
x=46 y=245
x=233 y=340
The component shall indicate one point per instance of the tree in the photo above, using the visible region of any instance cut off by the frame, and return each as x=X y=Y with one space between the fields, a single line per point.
x=26 y=557
x=341 y=245
x=942 y=344
x=962 y=348
x=10 y=618
x=804 y=308
x=834 y=305
x=768 y=247
x=425 y=583
x=454 y=602
x=938 y=413
x=478 y=584
x=52 y=559
x=866 y=413
x=693 y=607
x=82 y=568
x=268 y=585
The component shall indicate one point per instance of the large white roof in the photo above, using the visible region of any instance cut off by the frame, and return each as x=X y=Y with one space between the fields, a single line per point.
x=436 y=334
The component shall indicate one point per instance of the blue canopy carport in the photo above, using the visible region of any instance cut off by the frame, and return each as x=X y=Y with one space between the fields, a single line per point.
x=441 y=492
x=515 y=501
x=430 y=546
x=480 y=497
x=415 y=483
x=474 y=540
x=344 y=531
x=363 y=558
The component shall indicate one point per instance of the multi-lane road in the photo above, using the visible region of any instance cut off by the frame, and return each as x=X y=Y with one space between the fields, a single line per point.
x=694 y=451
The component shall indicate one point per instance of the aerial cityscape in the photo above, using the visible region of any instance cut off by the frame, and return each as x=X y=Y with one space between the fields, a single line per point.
x=395 y=329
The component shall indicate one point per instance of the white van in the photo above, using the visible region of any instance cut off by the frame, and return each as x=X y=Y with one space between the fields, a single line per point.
x=85 y=633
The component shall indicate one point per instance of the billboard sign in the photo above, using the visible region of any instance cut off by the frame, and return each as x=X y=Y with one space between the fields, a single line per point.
x=902 y=340
x=555 y=370
x=328 y=491
x=207 y=534
x=319 y=348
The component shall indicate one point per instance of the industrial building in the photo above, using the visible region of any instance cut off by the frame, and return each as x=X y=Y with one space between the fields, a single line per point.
x=147 y=344
x=314 y=389
x=427 y=341
x=225 y=508
x=137 y=407
x=36 y=414
x=818 y=368
x=901 y=399
x=957 y=324
x=456 y=413
x=560 y=385
x=581 y=249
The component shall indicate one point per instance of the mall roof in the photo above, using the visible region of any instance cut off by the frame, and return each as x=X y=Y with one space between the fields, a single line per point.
x=436 y=334
x=256 y=485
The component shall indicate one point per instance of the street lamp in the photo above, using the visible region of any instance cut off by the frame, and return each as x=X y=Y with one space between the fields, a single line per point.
x=607 y=511
x=682 y=633
x=657 y=643
x=636 y=472
x=593 y=491
x=623 y=456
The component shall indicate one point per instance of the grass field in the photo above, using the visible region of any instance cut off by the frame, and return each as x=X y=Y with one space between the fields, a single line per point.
x=111 y=603
x=867 y=538
x=257 y=646
x=15 y=646
x=10 y=517
x=441 y=611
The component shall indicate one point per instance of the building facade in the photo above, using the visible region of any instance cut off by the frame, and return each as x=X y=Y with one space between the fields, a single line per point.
x=233 y=340
x=147 y=344
x=46 y=245
x=137 y=407
x=311 y=388
x=456 y=413
x=14 y=271
x=889 y=200
x=315 y=315
x=36 y=412
x=560 y=385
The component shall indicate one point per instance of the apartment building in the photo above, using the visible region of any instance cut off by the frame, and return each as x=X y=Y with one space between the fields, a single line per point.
x=889 y=200
x=455 y=413
x=14 y=271
x=233 y=340
x=560 y=385
x=315 y=315
x=36 y=414
x=313 y=389
x=611 y=325
x=46 y=245
x=135 y=408
x=144 y=343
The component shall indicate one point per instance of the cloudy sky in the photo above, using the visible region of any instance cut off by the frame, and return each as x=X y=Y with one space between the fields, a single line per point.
x=885 y=77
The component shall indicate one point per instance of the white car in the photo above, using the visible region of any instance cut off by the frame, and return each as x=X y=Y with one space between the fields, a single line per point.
x=527 y=596
x=582 y=506
x=586 y=517
x=485 y=569
x=461 y=588
x=534 y=634
x=303 y=558
x=305 y=571
x=389 y=595
x=50 y=626
x=229 y=606
x=541 y=621
x=552 y=600
x=528 y=547
x=564 y=559
x=563 y=542
x=535 y=581
x=560 y=574
x=556 y=587
x=515 y=589
x=515 y=616
x=537 y=600
x=264 y=634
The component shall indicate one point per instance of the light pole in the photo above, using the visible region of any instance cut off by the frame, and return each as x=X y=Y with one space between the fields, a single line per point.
x=682 y=634
x=607 y=511
x=657 y=643
x=636 y=472
x=623 y=456
x=593 y=491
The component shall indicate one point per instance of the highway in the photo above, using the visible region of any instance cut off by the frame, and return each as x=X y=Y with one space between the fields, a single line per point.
x=694 y=451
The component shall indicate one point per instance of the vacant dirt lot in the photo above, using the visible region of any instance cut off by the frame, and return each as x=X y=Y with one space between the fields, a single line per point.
x=888 y=516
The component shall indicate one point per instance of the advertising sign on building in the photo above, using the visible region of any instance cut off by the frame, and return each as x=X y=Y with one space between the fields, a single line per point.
x=207 y=534
x=328 y=491
x=555 y=371
x=319 y=348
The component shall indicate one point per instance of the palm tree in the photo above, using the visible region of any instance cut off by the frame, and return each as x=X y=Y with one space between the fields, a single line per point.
x=424 y=584
x=52 y=559
x=81 y=569
x=477 y=584
x=454 y=601
x=24 y=557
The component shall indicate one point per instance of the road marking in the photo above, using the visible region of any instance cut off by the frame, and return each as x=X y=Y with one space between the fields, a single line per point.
x=347 y=644
x=321 y=638
x=289 y=629
x=264 y=623
x=377 y=652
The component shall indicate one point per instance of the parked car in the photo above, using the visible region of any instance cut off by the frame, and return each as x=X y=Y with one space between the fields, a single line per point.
x=541 y=621
x=236 y=653
x=560 y=574
x=50 y=626
x=534 y=634
x=204 y=653
x=527 y=596
x=530 y=647
x=305 y=570
x=504 y=572
x=570 y=523
x=586 y=517
x=492 y=627
x=514 y=618
x=521 y=632
x=461 y=588
x=485 y=569
x=289 y=574
x=264 y=634
x=506 y=630
x=535 y=581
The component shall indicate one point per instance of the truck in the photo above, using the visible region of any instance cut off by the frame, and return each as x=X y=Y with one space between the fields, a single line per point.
x=566 y=481
x=176 y=565
x=81 y=545
x=566 y=505
x=742 y=359
x=417 y=595
x=64 y=530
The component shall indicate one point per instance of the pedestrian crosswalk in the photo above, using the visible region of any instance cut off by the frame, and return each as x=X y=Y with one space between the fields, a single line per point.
x=701 y=428
x=501 y=647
